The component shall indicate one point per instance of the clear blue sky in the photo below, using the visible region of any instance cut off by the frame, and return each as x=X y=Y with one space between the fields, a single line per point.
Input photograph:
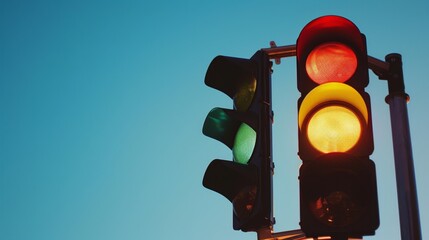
x=102 y=104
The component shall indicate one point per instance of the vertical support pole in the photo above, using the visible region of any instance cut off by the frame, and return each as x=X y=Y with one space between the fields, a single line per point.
x=404 y=166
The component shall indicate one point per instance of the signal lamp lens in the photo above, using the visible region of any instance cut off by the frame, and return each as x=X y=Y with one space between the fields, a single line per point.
x=244 y=201
x=333 y=129
x=244 y=96
x=331 y=62
x=244 y=143
x=335 y=209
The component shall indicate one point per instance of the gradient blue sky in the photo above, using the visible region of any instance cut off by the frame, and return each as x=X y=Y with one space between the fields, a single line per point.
x=102 y=104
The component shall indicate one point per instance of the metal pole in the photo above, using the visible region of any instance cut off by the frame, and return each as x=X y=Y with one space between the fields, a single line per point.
x=404 y=166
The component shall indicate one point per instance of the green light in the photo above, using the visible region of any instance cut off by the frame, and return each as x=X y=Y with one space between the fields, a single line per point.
x=244 y=143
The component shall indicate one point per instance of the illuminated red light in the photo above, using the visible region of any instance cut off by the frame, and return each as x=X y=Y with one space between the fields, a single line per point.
x=331 y=62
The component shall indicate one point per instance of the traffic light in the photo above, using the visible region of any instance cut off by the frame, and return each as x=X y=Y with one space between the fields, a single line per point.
x=338 y=192
x=246 y=181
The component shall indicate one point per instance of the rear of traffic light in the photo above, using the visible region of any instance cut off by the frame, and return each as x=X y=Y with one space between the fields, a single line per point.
x=246 y=181
x=338 y=193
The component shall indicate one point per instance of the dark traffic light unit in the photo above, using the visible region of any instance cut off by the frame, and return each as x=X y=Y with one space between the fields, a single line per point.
x=338 y=192
x=246 y=181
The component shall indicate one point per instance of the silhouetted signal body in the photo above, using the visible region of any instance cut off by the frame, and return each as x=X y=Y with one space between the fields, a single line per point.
x=338 y=193
x=246 y=181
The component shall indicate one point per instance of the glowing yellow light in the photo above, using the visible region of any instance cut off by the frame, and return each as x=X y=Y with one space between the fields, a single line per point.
x=334 y=129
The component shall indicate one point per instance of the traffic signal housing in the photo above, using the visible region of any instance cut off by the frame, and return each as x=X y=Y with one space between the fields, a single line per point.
x=338 y=193
x=246 y=181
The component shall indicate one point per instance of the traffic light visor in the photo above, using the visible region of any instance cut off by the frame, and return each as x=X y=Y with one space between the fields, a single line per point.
x=331 y=62
x=231 y=179
x=327 y=29
x=331 y=92
x=220 y=125
x=236 y=77
x=227 y=126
